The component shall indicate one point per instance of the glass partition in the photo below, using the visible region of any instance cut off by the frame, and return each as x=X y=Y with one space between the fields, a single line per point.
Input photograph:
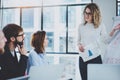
x=9 y=16
x=63 y=2
x=21 y=3
x=31 y=22
x=55 y=25
x=59 y=18
x=75 y=14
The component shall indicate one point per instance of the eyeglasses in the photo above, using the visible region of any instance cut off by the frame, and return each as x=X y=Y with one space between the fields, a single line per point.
x=21 y=35
x=88 y=13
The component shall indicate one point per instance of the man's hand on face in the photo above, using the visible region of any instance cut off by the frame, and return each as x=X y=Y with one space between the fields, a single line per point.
x=22 y=49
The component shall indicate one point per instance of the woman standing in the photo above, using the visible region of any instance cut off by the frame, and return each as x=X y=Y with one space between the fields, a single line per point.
x=89 y=34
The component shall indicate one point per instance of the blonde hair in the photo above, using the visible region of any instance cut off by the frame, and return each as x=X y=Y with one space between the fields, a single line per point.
x=96 y=15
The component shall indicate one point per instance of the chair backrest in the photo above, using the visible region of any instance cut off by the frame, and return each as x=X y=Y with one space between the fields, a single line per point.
x=103 y=72
x=46 y=72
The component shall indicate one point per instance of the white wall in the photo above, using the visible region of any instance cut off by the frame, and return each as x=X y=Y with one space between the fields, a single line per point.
x=108 y=10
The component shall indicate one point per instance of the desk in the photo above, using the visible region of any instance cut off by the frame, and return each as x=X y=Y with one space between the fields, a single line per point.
x=66 y=77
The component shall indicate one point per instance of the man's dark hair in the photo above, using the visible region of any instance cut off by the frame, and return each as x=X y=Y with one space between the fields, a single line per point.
x=11 y=30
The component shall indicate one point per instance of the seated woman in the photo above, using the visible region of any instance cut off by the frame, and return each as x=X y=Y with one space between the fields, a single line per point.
x=37 y=55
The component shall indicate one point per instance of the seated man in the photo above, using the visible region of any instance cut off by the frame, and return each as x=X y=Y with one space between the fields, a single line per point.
x=13 y=64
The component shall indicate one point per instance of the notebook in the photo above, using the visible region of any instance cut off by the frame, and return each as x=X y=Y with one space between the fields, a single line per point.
x=46 y=72
x=103 y=72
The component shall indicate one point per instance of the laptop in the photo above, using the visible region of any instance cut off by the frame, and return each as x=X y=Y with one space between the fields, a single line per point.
x=46 y=72
x=103 y=72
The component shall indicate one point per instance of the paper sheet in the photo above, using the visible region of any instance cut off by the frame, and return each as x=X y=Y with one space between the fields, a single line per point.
x=91 y=51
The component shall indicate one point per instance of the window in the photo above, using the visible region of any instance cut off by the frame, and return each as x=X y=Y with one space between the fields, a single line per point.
x=55 y=25
x=118 y=13
x=20 y=3
x=118 y=7
x=74 y=19
x=28 y=18
x=9 y=16
x=31 y=22
x=59 y=18
x=61 y=2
